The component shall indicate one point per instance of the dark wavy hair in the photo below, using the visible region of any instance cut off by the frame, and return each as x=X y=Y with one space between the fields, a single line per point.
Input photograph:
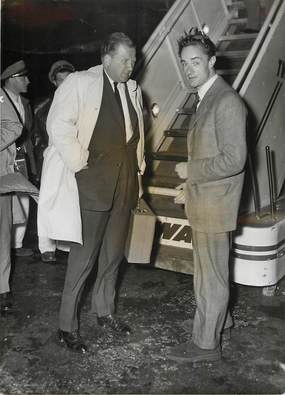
x=113 y=40
x=196 y=37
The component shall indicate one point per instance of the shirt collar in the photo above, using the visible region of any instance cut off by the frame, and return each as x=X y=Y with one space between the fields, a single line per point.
x=206 y=86
x=119 y=84
x=111 y=81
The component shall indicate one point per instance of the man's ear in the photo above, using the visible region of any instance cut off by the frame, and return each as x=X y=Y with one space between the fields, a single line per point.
x=106 y=60
x=212 y=61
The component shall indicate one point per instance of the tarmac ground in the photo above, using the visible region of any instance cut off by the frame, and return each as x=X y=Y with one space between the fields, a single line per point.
x=159 y=306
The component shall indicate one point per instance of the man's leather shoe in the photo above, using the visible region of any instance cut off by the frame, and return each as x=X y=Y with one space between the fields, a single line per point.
x=48 y=257
x=109 y=321
x=72 y=340
x=189 y=352
x=6 y=306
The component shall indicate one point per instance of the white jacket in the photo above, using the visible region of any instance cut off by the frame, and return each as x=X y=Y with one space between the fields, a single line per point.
x=70 y=124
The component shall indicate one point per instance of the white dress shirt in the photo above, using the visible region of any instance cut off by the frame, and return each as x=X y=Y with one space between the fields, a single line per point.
x=205 y=87
x=128 y=125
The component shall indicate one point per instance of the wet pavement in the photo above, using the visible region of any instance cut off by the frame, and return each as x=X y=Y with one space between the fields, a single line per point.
x=159 y=306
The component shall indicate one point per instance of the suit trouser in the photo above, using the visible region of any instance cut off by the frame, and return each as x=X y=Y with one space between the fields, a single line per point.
x=5 y=241
x=104 y=232
x=211 y=287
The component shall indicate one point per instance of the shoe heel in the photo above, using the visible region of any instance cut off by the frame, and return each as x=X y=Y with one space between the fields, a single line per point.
x=60 y=337
x=72 y=343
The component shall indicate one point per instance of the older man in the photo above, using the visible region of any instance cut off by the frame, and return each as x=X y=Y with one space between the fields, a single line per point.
x=58 y=72
x=90 y=177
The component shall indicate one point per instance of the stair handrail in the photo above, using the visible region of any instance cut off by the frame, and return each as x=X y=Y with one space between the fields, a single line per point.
x=163 y=28
x=251 y=58
x=246 y=86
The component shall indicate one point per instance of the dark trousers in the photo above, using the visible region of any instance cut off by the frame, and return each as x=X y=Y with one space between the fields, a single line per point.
x=211 y=287
x=104 y=236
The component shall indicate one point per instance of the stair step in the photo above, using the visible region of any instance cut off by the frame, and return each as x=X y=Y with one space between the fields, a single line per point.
x=162 y=181
x=228 y=72
x=164 y=206
x=238 y=21
x=241 y=36
x=233 y=54
x=176 y=133
x=237 y=5
x=169 y=156
x=175 y=259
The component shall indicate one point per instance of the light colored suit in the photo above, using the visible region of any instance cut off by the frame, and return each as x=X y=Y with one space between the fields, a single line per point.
x=217 y=155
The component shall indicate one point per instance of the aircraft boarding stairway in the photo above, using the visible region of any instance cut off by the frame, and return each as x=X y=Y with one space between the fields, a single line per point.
x=250 y=62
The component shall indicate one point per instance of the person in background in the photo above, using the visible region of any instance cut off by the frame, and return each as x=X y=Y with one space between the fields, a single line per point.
x=15 y=81
x=57 y=74
x=90 y=180
x=11 y=129
x=213 y=180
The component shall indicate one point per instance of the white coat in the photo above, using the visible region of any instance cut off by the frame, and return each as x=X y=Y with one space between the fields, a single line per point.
x=70 y=124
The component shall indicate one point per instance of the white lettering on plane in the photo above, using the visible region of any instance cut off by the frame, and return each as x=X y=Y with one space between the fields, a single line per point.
x=175 y=232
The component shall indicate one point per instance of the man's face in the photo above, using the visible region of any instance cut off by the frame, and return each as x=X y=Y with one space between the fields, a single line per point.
x=197 y=65
x=20 y=84
x=60 y=77
x=120 y=64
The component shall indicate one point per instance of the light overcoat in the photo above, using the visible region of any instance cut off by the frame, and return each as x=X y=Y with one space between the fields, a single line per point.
x=70 y=124
x=217 y=155
x=11 y=130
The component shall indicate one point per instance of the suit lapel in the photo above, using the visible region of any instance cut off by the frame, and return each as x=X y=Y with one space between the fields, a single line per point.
x=204 y=107
x=113 y=102
x=206 y=103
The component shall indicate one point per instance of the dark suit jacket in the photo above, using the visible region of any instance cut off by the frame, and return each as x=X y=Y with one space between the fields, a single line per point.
x=26 y=137
x=110 y=158
x=217 y=155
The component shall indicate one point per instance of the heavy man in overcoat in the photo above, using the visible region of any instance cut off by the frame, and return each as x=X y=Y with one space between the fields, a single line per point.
x=212 y=190
x=90 y=179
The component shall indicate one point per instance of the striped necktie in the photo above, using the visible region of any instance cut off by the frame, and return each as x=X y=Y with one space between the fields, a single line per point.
x=196 y=101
